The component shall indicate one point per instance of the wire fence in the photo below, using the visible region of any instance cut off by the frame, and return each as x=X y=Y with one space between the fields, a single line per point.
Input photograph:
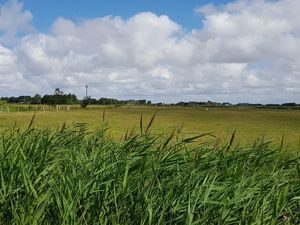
x=34 y=108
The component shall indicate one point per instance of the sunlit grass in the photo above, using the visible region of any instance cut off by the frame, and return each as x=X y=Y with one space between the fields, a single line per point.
x=248 y=123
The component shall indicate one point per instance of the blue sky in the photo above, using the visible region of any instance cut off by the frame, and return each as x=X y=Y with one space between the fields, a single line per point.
x=163 y=51
x=46 y=11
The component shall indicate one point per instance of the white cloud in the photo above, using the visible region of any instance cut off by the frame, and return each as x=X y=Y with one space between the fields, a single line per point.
x=246 y=51
x=12 y=79
x=14 y=20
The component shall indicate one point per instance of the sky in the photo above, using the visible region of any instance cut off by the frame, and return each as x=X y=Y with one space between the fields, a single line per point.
x=163 y=51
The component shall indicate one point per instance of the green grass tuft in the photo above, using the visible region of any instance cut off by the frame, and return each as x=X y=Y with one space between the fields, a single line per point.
x=72 y=176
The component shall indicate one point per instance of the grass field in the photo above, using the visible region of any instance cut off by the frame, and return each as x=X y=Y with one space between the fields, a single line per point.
x=91 y=172
x=250 y=123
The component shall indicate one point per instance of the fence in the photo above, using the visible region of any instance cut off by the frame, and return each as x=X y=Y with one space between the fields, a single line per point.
x=34 y=108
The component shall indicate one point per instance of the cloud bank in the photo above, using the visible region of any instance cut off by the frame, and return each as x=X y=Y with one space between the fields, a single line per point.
x=246 y=51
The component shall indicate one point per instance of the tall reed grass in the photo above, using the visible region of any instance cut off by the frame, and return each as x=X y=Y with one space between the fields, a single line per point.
x=71 y=176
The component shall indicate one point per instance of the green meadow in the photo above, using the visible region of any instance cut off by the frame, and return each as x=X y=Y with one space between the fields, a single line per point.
x=250 y=124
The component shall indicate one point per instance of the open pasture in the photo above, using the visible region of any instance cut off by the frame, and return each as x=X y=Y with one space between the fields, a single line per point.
x=249 y=123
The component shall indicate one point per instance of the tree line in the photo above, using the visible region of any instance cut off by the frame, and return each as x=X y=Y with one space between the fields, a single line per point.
x=57 y=98
x=60 y=98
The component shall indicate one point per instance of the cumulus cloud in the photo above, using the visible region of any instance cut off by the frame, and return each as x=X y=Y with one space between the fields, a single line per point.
x=246 y=51
x=14 y=21
x=12 y=80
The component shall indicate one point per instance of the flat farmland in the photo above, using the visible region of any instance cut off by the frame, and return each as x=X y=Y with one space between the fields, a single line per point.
x=250 y=123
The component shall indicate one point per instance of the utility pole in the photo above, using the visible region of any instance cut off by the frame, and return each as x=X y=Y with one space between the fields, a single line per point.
x=86 y=91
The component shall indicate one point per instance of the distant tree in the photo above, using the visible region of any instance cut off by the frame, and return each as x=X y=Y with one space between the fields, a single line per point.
x=46 y=99
x=23 y=99
x=37 y=99
x=141 y=102
x=182 y=103
x=12 y=100
x=92 y=101
x=85 y=102
x=71 y=99
x=108 y=101
x=58 y=97
x=57 y=91
x=289 y=104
